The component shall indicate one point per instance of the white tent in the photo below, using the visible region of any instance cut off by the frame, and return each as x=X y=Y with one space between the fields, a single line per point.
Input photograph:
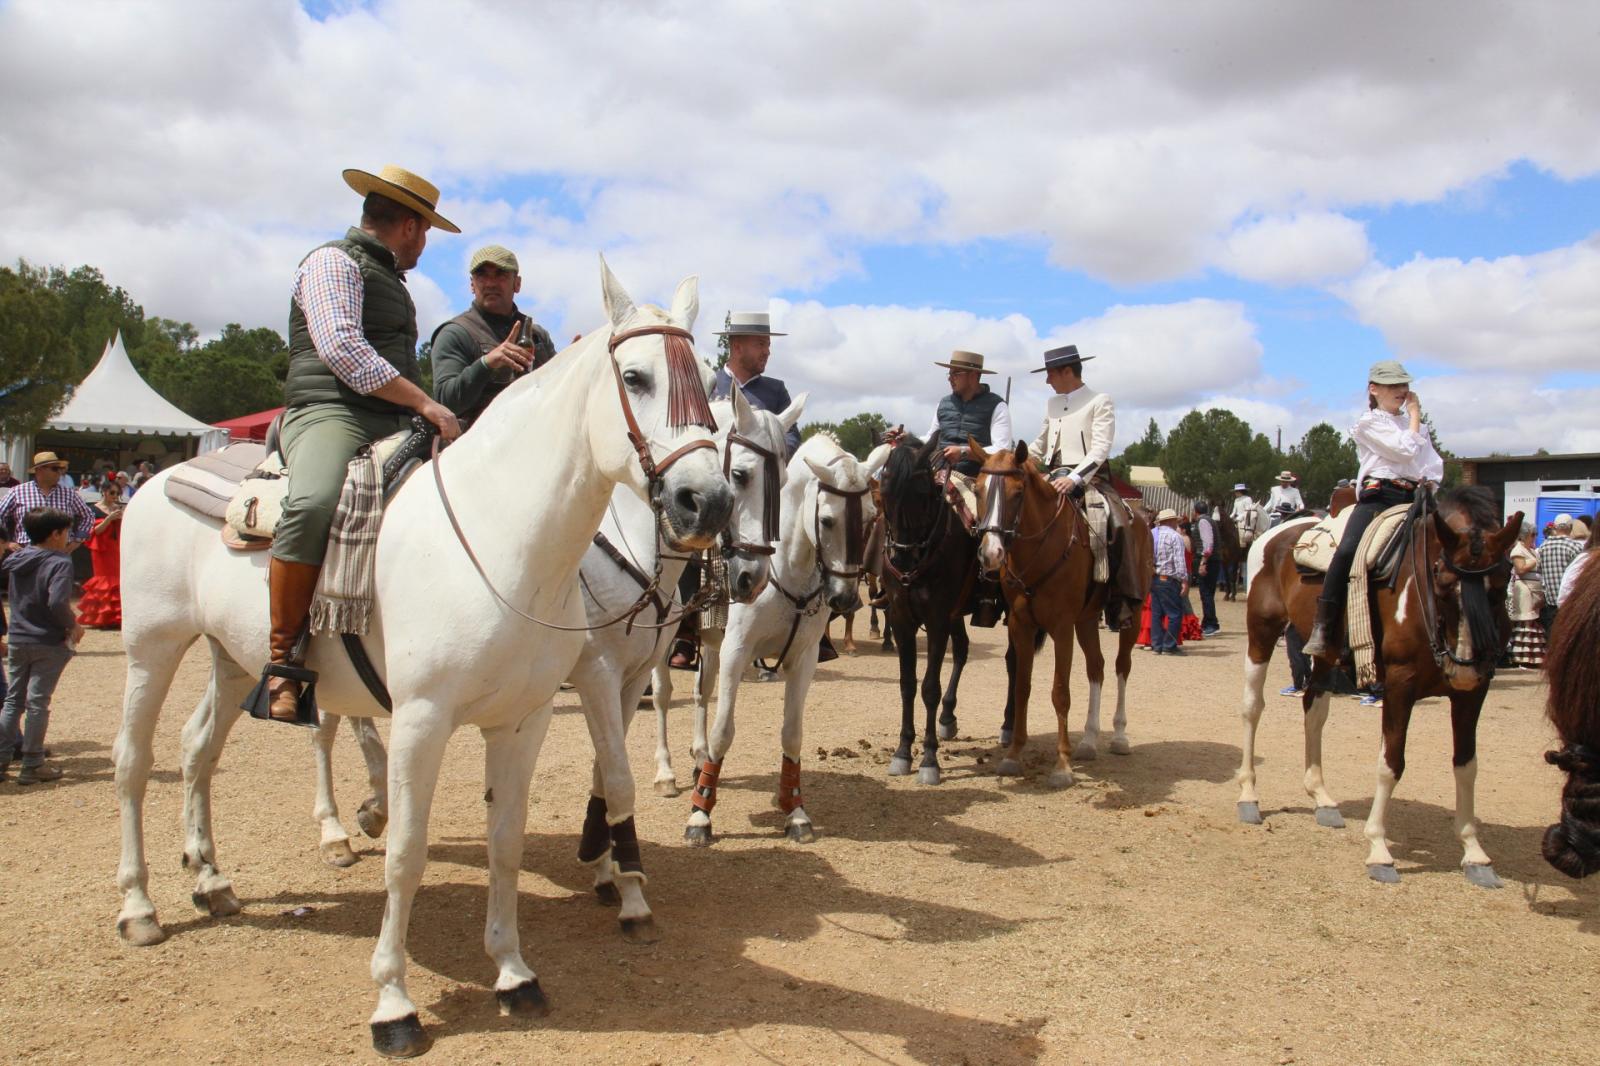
x=115 y=401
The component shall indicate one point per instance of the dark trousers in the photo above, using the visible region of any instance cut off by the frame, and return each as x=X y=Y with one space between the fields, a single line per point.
x=1166 y=613
x=1373 y=503
x=1206 y=582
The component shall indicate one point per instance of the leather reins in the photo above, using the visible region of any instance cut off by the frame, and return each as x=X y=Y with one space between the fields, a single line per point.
x=854 y=553
x=1431 y=620
x=769 y=498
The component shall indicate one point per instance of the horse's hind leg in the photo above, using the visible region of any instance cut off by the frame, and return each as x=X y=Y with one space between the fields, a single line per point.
x=373 y=814
x=1023 y=648
x=1061 y=697
x=1397 y=702
x=1315 y=702
x=1124 y=666
x=334 y=842
x=1257 y=658
x=666 y=782
x=928 y=770
x=150 y=671
x=203 y=738
x=959 y=645
x=1465 y=708
x=1087 y=629
x=906 y=650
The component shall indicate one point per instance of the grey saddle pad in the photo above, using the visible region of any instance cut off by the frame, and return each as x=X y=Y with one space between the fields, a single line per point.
x=207 y=482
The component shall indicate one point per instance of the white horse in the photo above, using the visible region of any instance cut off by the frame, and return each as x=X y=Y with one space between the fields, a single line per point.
x=454 y=646
x=816 y=569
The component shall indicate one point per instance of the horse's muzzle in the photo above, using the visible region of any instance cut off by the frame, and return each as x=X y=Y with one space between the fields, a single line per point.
x=694 y=515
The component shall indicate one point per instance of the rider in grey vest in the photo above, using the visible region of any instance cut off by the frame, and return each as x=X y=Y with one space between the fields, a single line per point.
x=481 y=351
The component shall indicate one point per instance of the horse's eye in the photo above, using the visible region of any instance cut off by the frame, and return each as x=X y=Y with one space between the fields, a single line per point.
x=634 y=380
x=827 y=523
x=740 y=477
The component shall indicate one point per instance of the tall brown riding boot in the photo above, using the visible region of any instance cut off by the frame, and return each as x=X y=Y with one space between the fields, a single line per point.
x=1324 y=639
x=291 y=586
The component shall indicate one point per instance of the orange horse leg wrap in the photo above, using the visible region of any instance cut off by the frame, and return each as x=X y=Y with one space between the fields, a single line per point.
x=704 y=795
x=789 y=785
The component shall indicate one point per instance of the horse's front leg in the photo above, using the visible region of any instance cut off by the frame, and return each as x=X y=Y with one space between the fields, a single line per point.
x=1398 y=698
x=1465 y=707
x=418 y=736
x=334 y=845
x=610 y=842
x=666 y=781
x=508 y=759
x=1021 y=633
x=1061 y=697
x=905 y=631
x=373 y=814
x=938 y=637
x=959 y=646
x=705 y=683
x=203 y=738
x=1087 y=631
x=1008 y=716
x=149 y=676
x=722 y=667
x=797 y=683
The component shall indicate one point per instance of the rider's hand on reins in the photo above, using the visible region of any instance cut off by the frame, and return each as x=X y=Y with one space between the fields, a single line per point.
x=442 y=418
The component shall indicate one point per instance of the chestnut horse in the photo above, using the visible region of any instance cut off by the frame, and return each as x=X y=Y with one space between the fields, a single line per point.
x=1438 y=628
x=1572 y=670
x=1038 y=544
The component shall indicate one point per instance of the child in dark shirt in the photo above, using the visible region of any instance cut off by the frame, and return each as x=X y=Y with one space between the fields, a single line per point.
x=44 y=630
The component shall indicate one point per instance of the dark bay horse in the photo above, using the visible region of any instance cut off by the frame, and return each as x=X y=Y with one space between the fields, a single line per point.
x=1572 y=670
x=1438 y=631
x=930 y=570
x=1038 y=543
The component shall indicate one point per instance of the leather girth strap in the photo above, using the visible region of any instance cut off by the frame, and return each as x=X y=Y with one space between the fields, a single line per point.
x=368 y=673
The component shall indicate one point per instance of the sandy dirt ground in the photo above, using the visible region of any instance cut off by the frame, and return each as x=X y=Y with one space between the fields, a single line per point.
x=1128 y=919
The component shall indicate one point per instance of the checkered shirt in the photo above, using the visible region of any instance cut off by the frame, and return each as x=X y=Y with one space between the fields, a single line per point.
x=1555 y=555
x=26 y=496
x=1170 y=561
x=329 y=290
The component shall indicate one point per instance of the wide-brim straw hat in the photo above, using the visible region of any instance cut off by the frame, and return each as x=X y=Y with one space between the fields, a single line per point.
x=405 y=189
x=1241 y=487
x=1166 y=514
x=1286 y=477
x=1063 y=356
x=46 y=459
x=965 y=361
x=749 y=324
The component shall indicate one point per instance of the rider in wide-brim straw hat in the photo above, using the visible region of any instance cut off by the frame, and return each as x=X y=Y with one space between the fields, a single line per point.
x=1285 y=499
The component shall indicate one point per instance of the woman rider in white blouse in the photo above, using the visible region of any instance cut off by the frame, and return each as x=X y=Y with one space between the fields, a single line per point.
x=1397 y=455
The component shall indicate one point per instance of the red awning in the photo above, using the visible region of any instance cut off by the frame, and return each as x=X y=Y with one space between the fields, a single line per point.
x=249 y=427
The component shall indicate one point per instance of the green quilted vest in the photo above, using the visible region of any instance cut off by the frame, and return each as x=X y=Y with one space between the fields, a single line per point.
x=388 y=320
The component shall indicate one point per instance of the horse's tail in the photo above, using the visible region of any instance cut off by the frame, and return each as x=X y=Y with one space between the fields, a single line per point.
x=1573 y=672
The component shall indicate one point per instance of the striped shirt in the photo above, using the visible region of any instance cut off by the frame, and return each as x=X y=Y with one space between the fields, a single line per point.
x=26 y=496
x=329 y=290
x=1170 y=561
x=1555 y=555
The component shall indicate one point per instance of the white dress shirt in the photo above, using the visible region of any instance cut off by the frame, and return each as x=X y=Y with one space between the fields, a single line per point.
x=1285 y=497
x=1079 y=427
x=1389 y=449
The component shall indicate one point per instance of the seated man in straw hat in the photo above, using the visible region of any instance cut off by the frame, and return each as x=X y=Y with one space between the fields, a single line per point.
x=972 y=410
x=1284 y=500
x=481 y=351
x=353 y=379
x=1074 y=448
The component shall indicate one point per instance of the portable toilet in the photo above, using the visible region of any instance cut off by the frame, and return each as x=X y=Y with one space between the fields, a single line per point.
x=1541 y=501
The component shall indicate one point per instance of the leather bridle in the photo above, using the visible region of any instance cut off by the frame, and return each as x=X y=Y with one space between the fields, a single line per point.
x=924 y=550
x=770 y=474
x=1421 y=565
x=1009 y=535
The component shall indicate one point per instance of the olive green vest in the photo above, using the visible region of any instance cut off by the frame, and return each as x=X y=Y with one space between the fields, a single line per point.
x=388 y=321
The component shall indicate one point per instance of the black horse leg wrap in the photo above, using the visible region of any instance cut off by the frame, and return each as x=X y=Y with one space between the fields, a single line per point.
x=596 y=837
x=625 y=849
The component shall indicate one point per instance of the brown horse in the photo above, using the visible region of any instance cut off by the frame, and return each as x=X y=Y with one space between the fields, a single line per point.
x=1572 y=669
x=1438 y=631
x=1038 y=543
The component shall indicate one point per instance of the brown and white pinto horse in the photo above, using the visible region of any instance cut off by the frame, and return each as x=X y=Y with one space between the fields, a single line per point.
x=1438 y=632
x=1572 y=669
x=1038 y=544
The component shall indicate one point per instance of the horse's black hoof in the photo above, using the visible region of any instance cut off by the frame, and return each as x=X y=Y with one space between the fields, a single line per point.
x=1330 y=818
x=697 y=836
x=947 y=732
x=639 y=930
x=1482 y=875
x=1383 y=872
x=800 y=832
x=218 y=903
x=928 y=775
x=606 y=892
x=371 y=820
x=403 y=1038
x=1250 y=812
x=899 y=767
x=525 y=1001
x=1006 y=736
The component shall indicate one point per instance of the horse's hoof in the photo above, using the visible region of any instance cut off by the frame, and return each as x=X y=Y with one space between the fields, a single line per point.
x=697 y=836
x=403 y=1038
x=219 y=902
x=800 y=832
x=338 y=853
x=639 y=930
x=928 y=775
x=1482 y=875
x=525 y=1001
x=666 y=788
x=371 y=820
x=947 y=732
x=1250 y=812
x=1383 y=872
x=899 y=767
x=141 y=932
x=1006 y=736
x=1120 y=746
x=1008 y=767
x=1330 y=818
x=1085 y=752
x=1062 y=779
x=606 y=892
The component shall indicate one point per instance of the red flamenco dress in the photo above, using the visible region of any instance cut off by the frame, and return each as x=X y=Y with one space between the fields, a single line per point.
x=101 y=606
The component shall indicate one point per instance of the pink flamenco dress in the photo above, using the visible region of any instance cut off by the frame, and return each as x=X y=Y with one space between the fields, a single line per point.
x=101 y=606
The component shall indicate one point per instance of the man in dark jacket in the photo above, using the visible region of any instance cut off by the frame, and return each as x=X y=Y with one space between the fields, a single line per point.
x=481 y=351
x=750 y=336
x=44 y=630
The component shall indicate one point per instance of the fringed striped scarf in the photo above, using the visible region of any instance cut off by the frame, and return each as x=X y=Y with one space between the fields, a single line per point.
x=343 y=603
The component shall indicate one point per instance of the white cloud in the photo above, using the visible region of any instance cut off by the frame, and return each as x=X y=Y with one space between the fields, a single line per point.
x=1536 y=313
x=1296 y=250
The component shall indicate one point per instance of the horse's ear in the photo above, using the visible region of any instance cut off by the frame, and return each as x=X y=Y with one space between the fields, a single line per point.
x=1447 y=534
x=790 y=416
x=819 y=470
x=929 y=450
x=876 y=459
x=744 y=416
x=619 y=305
x=1022 y=452
x=975 y=450
x=1501 y=542
x=686 y=302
